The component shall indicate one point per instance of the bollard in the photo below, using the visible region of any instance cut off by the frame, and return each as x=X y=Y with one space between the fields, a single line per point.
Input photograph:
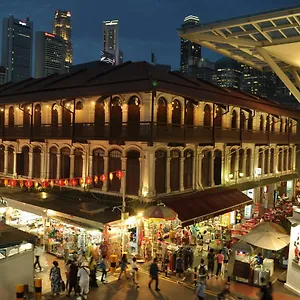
x=38 y=288
x=195 y=276
x=20 y=292
x=113 y=263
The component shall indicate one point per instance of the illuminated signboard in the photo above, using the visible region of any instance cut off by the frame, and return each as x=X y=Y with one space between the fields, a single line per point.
x=68 y=14
x=49 y=35
x=22 y=23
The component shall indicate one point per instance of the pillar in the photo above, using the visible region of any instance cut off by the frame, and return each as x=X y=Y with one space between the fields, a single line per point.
x=141 y=176
x=43 y=164
x=263 y=163
x=90 y=163
x=149 y=172
x=30 y=154
x=195 y=156
x=72 y=159
x=212 y=168
x=105 y=186
x=84 y=165
x=181 y=178
x=168 y=188
x=58 y=166
x=15 y=163
x=275 y=160
x=123 y=167
x=199 y=171
x=5 y=160
x=47 y=164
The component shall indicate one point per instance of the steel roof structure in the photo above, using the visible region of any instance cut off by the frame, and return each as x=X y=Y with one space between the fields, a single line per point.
x=265 y=41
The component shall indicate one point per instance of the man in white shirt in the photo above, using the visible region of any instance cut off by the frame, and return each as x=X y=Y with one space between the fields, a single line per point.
x=134 y=271
x=84 y=281
x=38 y=251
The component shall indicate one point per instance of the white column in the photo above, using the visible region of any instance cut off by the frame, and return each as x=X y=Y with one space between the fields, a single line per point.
x=5 y=160
x=141 y=175
x=195 y=156
x=72 y=159
x=123 y=167
x=212 y=164
x=168 y=173
x=263 y=162
x=15 y=163
x=43 y=164
x=149 y=171
x=199 y=175
x=182 y=172
x=105 y=186
x=84 y=165
x=30 y=154
x=90 y=172
x=47 y=164
x=237 y=165
x=124 y=112
x=58 y=166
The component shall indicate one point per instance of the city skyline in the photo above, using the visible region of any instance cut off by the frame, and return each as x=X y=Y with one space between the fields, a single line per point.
x=139 y=31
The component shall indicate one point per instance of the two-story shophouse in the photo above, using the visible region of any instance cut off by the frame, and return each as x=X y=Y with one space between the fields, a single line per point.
x=171 y=134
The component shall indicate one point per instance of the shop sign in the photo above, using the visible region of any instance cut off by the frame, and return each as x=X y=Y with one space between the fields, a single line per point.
x=249 y=193
x=248 y=211
x=232 y=217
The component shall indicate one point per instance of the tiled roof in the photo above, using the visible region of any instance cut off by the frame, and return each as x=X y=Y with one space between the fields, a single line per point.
x=129 y=78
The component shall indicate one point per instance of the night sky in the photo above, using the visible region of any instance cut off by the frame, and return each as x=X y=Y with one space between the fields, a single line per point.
x=144 y=24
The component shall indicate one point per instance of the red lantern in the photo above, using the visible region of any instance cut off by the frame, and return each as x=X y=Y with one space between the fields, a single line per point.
x=13 y=183
x=96 y=178
x=6 y=182
x=60 y=182
x=73 y=182
x=52 y=183
x=21 y=183
x=45 y=183
x=88 y=180
x=103 y=177
x=66 y=182
x=28 y=184
x=120 y=174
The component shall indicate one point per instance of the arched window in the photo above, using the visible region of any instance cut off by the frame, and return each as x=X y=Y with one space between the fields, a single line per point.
x=285 y=158
x=10 y=158
x=54 y=116
x=242 y=120
x=218 y=167
x=133 y=173
x=2 y=119
x=160 y=171
x=26 y=116
x=116 y=117
x=162 y=111
x=261 y=123
x=53 y=163
x=286 y=126
x=281 y=125
x=99 y=118
x=219 y=117
x=233 y=158
x=234 y=120
x=250 y=121
x=273 y=124
x=279 y=166
x=260 y=160
x=134 y=116
x=176 y=112
x=79 y=105
x=207 y=116
x=114 y=164
x=206 y=169
x=175 y=170
x=66 y=118
x=36 y=162
x=2 y=153
x=248 y=163
x=268 y=124
x=241 y=161
x=23 y=162
x=272 y=160
x=189 y=113
x=65 y=162
x=78 y=163
x=98 y=165
x=11 y=117
x=266 y=166
x=188 y=169
x=37 y=115
x=290 y=159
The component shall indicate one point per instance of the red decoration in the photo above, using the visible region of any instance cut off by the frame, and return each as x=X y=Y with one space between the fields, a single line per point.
x=88 y=180
x=73 y=182
x=28 y=184
x=66 y=182
x=21 y=183
x=52 y=183
x=45 y=183
x=96 y=178
x=60 y=182
x=120 y=174
x=13 y=183
x=6 y=182
x=81 y=181
x=103 y=177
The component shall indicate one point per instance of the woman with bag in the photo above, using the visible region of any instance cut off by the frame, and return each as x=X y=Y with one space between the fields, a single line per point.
x=55 y=279
x=93 y=271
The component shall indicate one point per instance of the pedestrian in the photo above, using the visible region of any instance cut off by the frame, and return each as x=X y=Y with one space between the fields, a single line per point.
x=93 y=272
x=102 y=267
x=226 y=257
x=67 y=272
x=66 y=250
x=38 y=251
x=211 y=262
x=203 y=271
x=55 y=279
x=84 y=280
x=135 y=273
x=83 y=259
x=179 y=267
x=200 y=290
x=220 y=259
x=123 y=266
x=154 y=274
x=266 y=290
x=73 y=282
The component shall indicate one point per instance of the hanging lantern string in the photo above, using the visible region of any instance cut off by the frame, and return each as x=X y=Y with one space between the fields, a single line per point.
x=36 y=182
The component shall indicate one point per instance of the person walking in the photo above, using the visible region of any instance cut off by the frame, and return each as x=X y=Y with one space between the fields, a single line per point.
x=220 y=259
x=84 y=280
x=73 y=283
x=66 y=250
x=203 y=271
x=123 y=266
x=200 y=290
x=266 y=290
x=67 y=272
x=226 y=257
x=38 y=252
x=154 y=274
x=102 y=267
x=93 y=272
x=55 y=279
x=179 y=267
x=134 y=271
x=211 y=262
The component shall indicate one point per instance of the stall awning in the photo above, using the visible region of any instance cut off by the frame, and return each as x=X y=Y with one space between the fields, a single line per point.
x=206 y=204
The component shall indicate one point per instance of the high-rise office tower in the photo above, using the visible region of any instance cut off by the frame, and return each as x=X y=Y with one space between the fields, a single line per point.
x=190 y=53
x=17 y=48
x=111 y=39
x=62 y=27
x=50 y=54
x=2 y=75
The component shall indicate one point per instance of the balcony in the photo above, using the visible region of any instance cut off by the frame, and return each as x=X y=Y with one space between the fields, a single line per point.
x=145 y=132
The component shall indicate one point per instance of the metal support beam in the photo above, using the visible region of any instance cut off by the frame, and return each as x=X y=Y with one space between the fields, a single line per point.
x=283 y=77
x=296 y=76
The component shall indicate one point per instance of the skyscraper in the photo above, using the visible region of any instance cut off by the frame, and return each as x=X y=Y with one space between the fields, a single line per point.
x=62 y=27
x=111 y=39
x=17 y=48
x=190 y=53
x=2 y=75
x=50 y=54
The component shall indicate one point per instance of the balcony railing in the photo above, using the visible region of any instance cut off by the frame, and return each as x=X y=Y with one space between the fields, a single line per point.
x=146 y=131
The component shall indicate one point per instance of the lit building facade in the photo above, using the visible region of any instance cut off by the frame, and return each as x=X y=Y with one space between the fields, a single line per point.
x=111 y=39
x=62 y=27
x=50 y=54
x=167 y=144
x=190 y=53
x=17 y=37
